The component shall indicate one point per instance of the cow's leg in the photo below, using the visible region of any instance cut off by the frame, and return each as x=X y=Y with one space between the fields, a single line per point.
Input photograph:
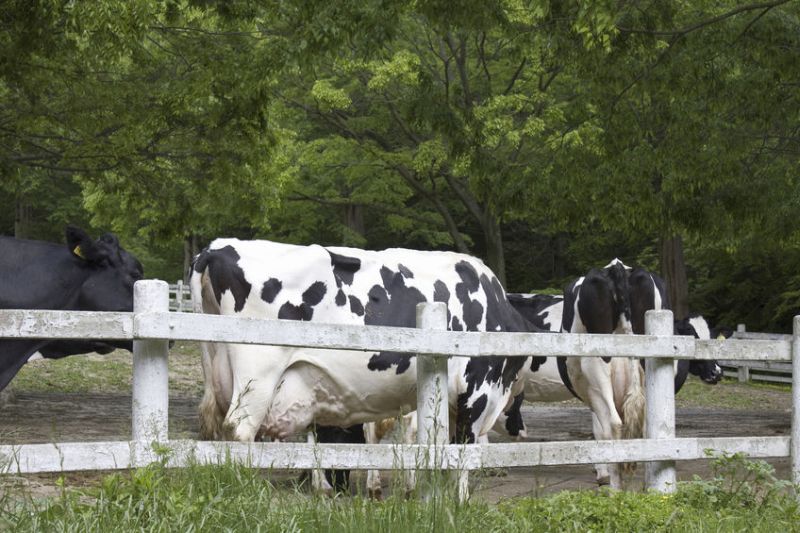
x=374 y=489
x=217 y=390
x=510 y=420
x=409 y=422
x=318 y=482
x=592 y=379
x=255 y=373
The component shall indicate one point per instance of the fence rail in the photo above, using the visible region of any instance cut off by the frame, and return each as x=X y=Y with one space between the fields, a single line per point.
x=768 y=371
x=180 y=297
x=151 y=325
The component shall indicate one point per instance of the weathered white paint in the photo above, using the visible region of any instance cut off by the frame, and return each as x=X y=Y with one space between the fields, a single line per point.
x=150 y=389
x=41 y=324
x=660 y=395
x=432 y=402
x=151 y=326
x=214 y=328
x=753 y=335
x=795 y=452
x=77 y=456
x=742 y=350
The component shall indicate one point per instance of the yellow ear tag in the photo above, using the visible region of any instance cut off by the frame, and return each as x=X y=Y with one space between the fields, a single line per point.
x=721 y=337
x=77 y=251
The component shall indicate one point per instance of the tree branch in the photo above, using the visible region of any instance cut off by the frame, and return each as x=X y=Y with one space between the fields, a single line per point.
x=703 y=23
x=515 y=77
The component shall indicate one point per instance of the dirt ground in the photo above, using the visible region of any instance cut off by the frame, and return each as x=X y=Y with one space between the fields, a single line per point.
x=36 y=417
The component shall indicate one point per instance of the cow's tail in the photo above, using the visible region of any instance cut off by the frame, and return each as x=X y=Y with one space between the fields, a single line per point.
x=211 y=417
x=633 y=402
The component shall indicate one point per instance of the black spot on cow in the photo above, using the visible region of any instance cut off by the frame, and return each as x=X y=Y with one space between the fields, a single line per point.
x=385 y=360
x=225 y=274
x=535 y=308
x=289 y=311
x=514 y=422
x=501 y=316
x=392 y=304
x=314 y=294
x=344 y=268
x=341 y=299
x=455 y=324
x=568 y=314
x=466 y=416
x=356 y=307
x=471 y=310
x=440 y=292
x=405 y=271
x=270 y=290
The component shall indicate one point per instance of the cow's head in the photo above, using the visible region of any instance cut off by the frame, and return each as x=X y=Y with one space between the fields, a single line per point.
x=696 y=326
x=709 y=371
x=110 y=272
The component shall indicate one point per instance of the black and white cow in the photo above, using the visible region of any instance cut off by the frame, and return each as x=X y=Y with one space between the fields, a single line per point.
x=547 y=385
x=84 y=275
x=279 y=391
x=695 y=325
x=610 y=300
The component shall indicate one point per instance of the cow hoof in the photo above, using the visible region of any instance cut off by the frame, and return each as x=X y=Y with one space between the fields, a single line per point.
x=375 y=494
x=604 y=481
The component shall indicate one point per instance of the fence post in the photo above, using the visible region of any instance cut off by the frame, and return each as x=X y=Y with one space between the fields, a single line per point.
x=150 y=372
x=660 y=398
x=432 y=403
x=795 y=442
x=179 y=296
x=743 y=370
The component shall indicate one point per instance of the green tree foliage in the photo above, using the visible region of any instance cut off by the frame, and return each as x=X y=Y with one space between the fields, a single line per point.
x=546 y=137
x=455 y=115
x=158 y=110
x=698 y=105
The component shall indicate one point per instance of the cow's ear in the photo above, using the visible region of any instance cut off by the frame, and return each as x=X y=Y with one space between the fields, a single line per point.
x=81 y=245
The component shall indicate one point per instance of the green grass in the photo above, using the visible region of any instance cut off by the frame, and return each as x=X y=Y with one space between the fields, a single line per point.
x=732 y=394
x=742 y=496
x=111 y=373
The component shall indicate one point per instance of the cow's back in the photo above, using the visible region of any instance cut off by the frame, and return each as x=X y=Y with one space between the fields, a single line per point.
x=34 y=274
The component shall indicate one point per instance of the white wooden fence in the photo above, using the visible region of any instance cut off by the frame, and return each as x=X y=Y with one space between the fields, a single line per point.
x=151 y=325
x=768 y=371
x=180 y=297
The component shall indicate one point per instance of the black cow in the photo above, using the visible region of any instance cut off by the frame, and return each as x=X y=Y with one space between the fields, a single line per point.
x=84 y=275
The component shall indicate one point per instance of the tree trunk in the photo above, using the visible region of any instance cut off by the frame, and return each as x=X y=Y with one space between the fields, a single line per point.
x=673 y=268
x=22 y=218
x=495 y=257
x=354 y=219
x=559 y=256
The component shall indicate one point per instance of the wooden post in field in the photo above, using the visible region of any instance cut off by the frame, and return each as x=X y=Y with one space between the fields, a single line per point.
x=150 y=376
x=743 y=370
x=660 y=397
x=795 y=442
x=432 y=402
x=179 y=296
